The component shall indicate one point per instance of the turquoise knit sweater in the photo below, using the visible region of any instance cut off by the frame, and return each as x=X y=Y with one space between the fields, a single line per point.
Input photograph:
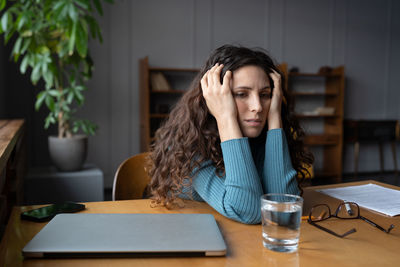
x=250 y=171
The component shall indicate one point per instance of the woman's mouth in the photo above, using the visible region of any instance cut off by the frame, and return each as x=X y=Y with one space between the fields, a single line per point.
x=253 y=122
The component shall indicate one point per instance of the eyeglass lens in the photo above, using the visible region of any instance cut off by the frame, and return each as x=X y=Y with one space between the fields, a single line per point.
x=348 y=210
x=320 y=212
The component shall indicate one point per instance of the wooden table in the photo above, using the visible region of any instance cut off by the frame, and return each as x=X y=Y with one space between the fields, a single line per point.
x=367 y=247
x=12 y=166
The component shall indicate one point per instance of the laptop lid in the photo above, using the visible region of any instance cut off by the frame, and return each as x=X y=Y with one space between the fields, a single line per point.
x=113 y=235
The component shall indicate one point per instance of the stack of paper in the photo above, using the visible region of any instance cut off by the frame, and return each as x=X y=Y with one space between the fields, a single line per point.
x=370 y=196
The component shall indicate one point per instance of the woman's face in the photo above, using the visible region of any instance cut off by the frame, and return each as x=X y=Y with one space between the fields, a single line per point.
x=252 y=93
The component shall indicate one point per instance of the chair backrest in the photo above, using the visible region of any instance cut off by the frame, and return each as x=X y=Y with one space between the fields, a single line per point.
x=131 y=178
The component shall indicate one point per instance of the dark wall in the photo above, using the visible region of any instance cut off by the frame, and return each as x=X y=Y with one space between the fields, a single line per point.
x=17 y=97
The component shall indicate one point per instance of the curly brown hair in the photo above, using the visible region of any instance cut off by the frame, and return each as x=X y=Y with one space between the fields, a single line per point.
x=189 y=137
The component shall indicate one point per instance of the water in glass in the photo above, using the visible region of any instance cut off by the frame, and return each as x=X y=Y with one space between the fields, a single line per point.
x=281 y=226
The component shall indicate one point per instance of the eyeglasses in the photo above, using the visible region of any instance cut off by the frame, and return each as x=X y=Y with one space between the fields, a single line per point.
x=346 y=210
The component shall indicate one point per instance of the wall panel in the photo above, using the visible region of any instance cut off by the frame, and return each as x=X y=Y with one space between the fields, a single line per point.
x=308 y=34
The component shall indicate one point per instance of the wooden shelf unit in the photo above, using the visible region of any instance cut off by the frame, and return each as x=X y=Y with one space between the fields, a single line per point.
x=331 y=140
x=155 y=105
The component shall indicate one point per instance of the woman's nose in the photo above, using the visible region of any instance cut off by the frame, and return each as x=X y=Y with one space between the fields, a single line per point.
x=255 y=104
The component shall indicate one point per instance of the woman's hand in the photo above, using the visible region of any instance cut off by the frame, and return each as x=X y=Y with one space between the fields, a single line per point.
x=220 y=102
x=218 y=96
x=274 y=114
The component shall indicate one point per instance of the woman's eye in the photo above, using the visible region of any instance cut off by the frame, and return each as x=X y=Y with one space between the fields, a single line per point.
x=239 y=94
x=265 y=95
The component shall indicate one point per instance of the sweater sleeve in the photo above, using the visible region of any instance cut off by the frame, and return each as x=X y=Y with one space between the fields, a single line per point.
x=278 y=173
x=237 y=194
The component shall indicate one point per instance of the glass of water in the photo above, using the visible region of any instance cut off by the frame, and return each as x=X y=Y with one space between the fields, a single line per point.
x=281 y=218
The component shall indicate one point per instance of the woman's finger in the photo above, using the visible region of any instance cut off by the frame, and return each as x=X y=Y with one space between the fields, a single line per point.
x=210 y=76
x=275 y=76
x=204 y=81
x=217 y=75
x=227 y=79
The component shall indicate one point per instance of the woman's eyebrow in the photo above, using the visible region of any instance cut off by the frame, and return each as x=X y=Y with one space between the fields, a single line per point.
x=249 y=88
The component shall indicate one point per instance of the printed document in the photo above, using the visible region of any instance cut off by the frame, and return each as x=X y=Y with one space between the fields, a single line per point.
x=370 y=196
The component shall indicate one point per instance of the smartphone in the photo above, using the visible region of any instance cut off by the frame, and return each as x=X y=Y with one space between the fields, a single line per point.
x=46 y=213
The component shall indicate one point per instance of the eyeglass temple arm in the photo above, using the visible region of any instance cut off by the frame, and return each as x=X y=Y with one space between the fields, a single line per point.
x=332 y=232
x=378 y=226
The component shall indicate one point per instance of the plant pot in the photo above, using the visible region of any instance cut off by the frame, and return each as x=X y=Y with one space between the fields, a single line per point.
x=68 y=154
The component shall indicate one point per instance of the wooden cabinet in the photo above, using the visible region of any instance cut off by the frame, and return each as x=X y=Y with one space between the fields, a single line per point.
x=160 y=89
x=319 y=103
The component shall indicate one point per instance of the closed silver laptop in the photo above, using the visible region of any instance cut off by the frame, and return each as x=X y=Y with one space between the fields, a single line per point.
x=113 y=235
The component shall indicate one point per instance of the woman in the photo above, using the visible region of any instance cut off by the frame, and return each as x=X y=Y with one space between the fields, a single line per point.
x=226 y=141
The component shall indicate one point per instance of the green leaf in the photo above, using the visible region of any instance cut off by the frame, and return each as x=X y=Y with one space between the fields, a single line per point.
x=43 y=49
x=17 y=46
x=66 y=108
x=93 y=130
x=80 y=88
x=98 y=31
x=84 y=128
x=72 y=12
x=64 y=11
x=27 y=33
x=79 y=97
x=92 y=27
x=88 y=67
x=48 y=78
x=27 y=42
x=87 y=127
x=70 y=97
x=81 y=40
x=35 y=75
x=71 y=43
x=44 y=67
x=83 y=4
x=49 y=120
x=2 y=4
x=21 y=21
x=50 y=102
x=97 y=4
x=24 y=64
x=31 y=60
x=58 y=5
x=39 y=99
x=75 y=128
x=54 y=93
x=59 y=10
x=9 y=34
x=4 y=21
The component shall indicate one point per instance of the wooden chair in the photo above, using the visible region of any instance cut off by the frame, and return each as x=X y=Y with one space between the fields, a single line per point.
x=372 y=131
x=131 y=178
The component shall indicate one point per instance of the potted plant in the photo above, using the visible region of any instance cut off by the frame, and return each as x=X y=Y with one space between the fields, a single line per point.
x=50 y=40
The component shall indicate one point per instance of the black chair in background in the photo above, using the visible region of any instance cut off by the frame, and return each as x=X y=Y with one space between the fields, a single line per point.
x=372 y=131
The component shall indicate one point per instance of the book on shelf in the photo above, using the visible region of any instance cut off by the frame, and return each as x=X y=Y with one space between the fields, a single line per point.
x=159 y=82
